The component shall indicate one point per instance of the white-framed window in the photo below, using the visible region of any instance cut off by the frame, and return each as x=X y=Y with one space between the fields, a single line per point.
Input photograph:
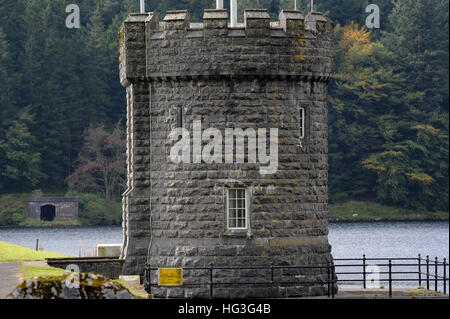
x=302 y=128
x=237 y=215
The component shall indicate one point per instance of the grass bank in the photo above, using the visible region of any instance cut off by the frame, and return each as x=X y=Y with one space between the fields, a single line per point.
x=370 y=211
x=15 y=253
x=38 y=223
x=23 y=256
x=32 y=265
x=29 y=272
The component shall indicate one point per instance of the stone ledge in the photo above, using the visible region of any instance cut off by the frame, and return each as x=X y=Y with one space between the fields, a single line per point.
x=106 y=266
x=182 y=76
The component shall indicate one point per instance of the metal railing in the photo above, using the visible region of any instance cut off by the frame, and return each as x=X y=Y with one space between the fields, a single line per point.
x=425 y=270
x=421 y=269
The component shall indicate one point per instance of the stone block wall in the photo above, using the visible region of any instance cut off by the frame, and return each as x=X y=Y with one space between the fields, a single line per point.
x=105 y=266
x=256 y=76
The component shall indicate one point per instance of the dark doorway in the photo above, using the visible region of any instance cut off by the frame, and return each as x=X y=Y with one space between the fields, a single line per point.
x=48 y=213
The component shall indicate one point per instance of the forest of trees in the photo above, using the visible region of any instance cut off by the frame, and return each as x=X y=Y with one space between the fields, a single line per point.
x=388 y=105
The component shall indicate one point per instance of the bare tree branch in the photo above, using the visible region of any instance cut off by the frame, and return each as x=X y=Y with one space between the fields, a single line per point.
x=101 y=164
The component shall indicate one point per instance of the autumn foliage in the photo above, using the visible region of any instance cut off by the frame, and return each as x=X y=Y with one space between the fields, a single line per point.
x=101 y=166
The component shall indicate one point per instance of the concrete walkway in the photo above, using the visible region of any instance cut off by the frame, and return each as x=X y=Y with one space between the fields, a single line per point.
x=9 y=278
x=397 y=293
x=136 y=289
x=35 y=263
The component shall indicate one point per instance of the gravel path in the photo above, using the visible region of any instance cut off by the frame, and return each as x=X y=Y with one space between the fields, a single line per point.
x=9 y=278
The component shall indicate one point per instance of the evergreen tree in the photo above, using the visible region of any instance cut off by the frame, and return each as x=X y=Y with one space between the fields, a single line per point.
x=19 y=164
x=419 y=37
x=414 y=172
x=343 y=11
x=5 y=61
x=14 y=35
x=368 y=93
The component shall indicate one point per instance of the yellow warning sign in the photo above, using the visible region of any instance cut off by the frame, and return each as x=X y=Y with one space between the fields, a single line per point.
x=170 y=276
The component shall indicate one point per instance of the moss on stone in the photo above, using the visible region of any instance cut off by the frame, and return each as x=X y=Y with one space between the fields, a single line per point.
x=91 y=286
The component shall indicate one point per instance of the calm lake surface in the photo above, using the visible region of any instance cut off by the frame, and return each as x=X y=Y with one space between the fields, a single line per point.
x=348 y=239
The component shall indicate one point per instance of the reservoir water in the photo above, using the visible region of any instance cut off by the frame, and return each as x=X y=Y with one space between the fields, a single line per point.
x=389 y=240
x=348 y=239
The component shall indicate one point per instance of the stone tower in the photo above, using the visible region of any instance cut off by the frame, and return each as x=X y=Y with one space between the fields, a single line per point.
x=190 y=213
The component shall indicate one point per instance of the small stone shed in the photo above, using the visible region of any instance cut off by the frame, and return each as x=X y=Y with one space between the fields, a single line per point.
x=53 y=208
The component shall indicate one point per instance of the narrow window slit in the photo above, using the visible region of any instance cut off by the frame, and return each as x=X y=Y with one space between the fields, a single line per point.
x=179 y=117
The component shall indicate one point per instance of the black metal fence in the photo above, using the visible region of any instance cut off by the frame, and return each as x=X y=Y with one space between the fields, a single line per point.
x=420 y=270
x=426 y=271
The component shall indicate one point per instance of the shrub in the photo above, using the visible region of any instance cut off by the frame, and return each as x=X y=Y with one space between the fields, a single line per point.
x=95 y=210
x=11 y=217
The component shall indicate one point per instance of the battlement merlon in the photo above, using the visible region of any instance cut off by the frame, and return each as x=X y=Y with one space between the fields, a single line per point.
x=175 y=48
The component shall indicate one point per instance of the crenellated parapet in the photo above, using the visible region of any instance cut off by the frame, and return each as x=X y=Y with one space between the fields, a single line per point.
x=174 y=48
